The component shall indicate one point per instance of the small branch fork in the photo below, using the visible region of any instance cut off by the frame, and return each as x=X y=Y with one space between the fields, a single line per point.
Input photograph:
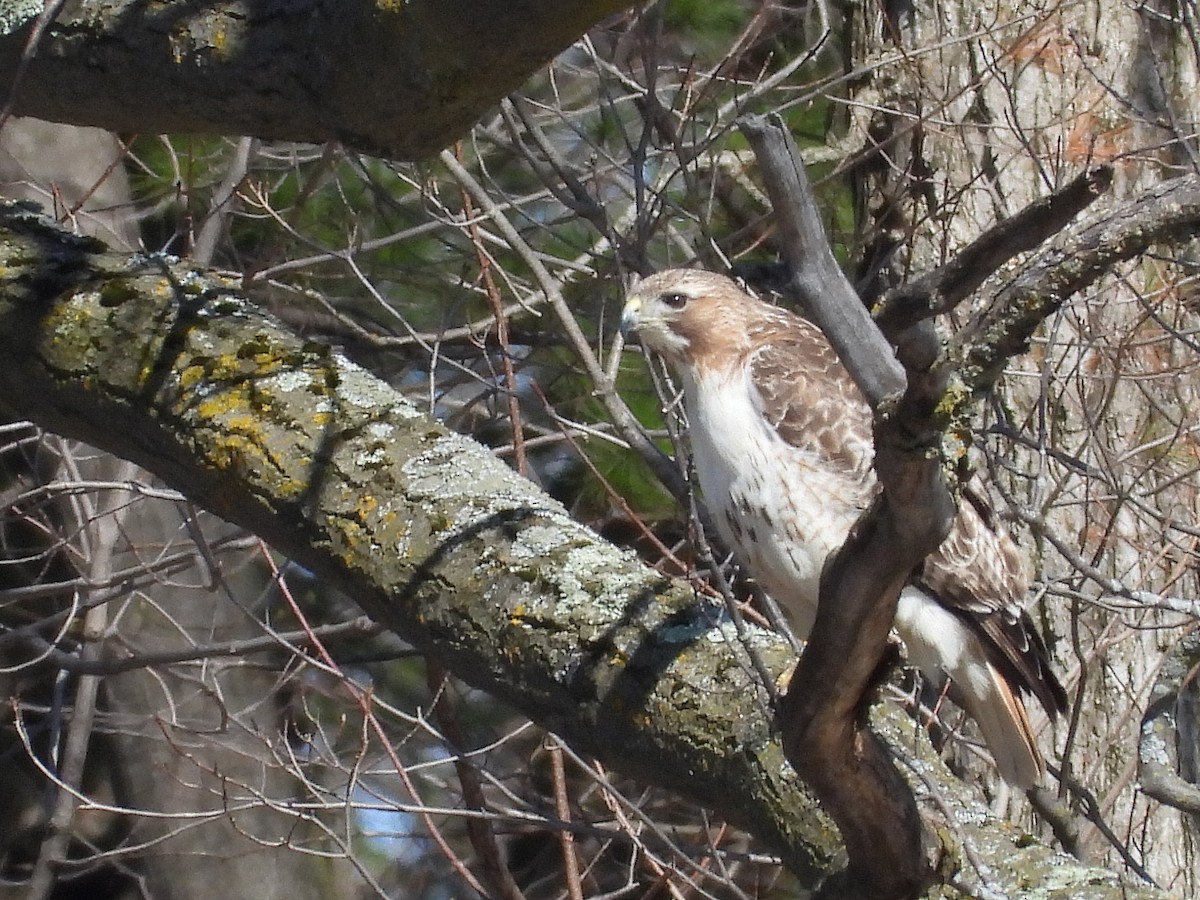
x=822 y=716
x=814 y=274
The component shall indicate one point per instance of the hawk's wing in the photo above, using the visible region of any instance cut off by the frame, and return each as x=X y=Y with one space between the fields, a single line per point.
x=804 y=391
x=977 y=573
x=807 y=395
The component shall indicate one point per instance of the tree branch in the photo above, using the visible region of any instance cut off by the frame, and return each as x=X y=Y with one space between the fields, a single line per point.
x=945 y=287
x=302 y=71
x=815 y=276
x=167 y=366
x=1078 y=257
x=1164 y=728
x=429 y=532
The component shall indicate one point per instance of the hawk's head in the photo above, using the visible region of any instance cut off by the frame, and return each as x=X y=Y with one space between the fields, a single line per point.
x=687 y=314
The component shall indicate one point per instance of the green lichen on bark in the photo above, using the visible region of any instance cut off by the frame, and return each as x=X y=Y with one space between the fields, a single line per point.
x=428 y=531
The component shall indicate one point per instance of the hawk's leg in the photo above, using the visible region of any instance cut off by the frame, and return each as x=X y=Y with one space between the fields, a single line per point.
x=892 y=659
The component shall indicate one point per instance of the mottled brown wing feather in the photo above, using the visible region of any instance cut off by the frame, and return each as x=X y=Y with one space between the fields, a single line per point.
x=977 y=573
x=793 y=365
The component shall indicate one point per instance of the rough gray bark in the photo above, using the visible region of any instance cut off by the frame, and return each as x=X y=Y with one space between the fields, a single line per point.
x=393 y=79
x=169 y=367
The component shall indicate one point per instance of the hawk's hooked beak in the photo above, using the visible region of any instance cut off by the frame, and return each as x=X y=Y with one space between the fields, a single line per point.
x=631 y=316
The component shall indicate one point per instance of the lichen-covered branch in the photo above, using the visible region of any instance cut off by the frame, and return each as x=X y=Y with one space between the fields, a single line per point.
x=392 y=79
x=171 y=368
x=429 y=532
x=1078 y=257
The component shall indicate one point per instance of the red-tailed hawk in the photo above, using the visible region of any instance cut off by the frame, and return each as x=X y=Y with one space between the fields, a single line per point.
x=782 y=447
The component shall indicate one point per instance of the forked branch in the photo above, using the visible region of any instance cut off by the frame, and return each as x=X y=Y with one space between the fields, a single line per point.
x=823 y=724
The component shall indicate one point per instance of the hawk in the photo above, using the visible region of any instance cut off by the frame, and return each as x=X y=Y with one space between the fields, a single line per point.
x=782 y=447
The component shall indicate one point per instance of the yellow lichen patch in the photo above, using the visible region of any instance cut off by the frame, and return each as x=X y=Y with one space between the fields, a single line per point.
x=349 y=541
x=251 y=359
x=69 y=313
x=217 y=406
x=240 y=442
x=517 y=616
x=235 y=452
x=264 y=362
x=62 y=324
x=245 y=424
x=366 y=505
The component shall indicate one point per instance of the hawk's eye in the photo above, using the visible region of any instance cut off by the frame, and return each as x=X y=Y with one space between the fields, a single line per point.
x=675 y=301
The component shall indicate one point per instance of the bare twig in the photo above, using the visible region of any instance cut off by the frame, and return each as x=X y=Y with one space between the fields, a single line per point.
x=509 y=387
x=480 y=830
x=223 y=202
x=562 y=809
x=104 y=522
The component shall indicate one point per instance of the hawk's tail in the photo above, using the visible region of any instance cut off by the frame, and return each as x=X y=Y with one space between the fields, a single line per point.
x=941 y=644
x=998 y=709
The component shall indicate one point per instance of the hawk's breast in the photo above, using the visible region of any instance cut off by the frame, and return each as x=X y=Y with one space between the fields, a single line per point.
x=776 y=506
